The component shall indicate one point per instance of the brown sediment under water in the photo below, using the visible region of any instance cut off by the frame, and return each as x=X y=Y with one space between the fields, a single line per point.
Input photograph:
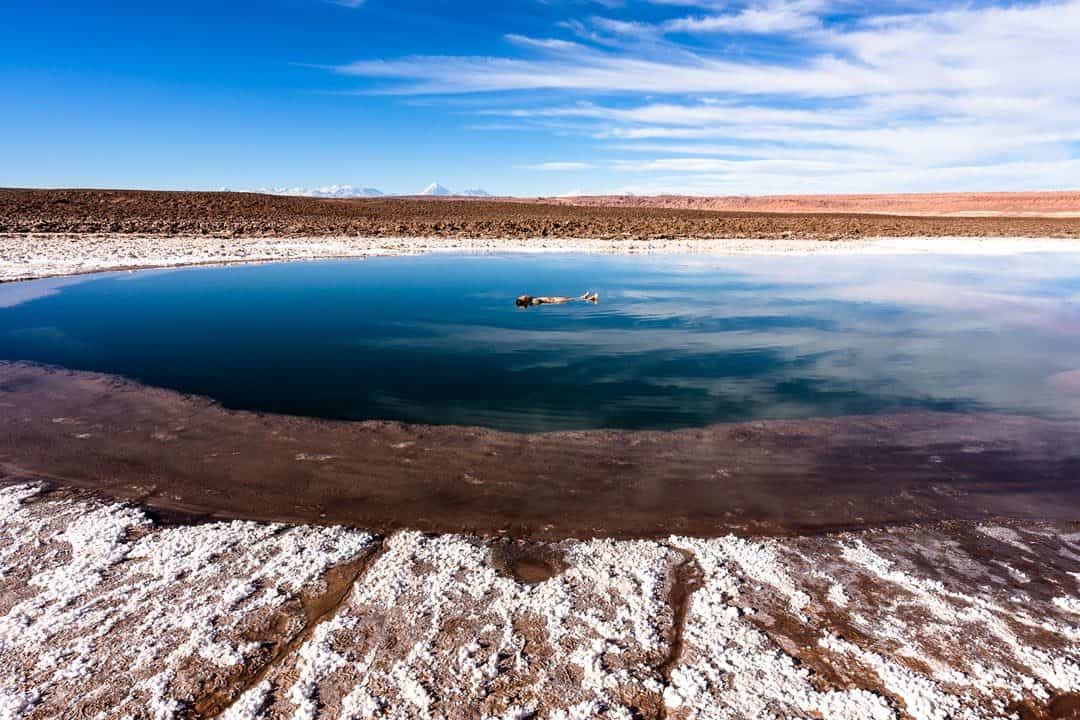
x=185 y=453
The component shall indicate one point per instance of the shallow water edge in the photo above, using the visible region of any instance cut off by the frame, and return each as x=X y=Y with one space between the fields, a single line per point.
x=182 y=453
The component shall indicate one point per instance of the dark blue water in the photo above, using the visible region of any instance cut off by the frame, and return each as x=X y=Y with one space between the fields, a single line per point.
x=673 y=342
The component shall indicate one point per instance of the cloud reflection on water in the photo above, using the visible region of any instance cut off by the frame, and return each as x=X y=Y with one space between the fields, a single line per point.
x=675 y=341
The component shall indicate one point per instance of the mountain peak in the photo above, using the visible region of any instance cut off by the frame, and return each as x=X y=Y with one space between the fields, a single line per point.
x=436 y=189
x=475 y=192
x=327 y=191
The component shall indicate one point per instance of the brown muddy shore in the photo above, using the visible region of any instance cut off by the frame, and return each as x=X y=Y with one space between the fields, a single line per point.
x=182 y=453
x=228 y=214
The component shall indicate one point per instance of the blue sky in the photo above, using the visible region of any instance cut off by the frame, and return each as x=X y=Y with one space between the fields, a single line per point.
x=543 y=97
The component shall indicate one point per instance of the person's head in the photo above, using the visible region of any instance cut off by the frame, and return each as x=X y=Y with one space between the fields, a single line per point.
x=524 y=300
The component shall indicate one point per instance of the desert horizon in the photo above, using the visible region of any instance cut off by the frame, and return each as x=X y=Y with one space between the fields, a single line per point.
x=1049 y=203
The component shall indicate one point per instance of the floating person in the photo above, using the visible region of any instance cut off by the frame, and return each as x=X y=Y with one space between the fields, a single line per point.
x=529 y=300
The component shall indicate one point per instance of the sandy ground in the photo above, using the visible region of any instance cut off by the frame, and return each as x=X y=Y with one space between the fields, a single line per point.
x=31 y=255
x=106 y=614
x=229 y=215
x=986 y=204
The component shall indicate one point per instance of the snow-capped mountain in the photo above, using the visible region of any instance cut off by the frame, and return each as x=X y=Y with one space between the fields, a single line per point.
x=327 y=191
x=349 y=191
x=436 y=189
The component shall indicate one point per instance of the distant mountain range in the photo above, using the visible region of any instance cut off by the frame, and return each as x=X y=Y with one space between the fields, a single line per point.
x=328 y=191
x=437 y=190
x=348 y=191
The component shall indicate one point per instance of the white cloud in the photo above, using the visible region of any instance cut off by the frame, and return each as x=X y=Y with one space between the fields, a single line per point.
x=714 y=165
x=607 y=72
x=698 y=114
x=1022 y=48
x=779 y=180
x=549 y=44
x=624 y=27
x=964 y=97
x=778 y=16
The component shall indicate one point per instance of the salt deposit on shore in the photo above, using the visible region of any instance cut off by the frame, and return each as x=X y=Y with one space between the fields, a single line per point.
x=105 y=614
x=29 y=256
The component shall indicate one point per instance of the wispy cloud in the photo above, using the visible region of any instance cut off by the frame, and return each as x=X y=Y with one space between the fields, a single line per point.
x=591 y=70
x=789 y=94
x=777 y=16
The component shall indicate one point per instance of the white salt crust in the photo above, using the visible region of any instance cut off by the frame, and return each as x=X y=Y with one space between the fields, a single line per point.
x=980 y=618
x=39 y=255
x=112 y=609
x=250 y=705
x=609 y=603
x=100 y=607
x=731 y=669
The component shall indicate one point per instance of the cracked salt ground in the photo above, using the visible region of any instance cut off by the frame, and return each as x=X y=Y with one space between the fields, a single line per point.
x=435 y=631
x=929 y=615
x=104 y=615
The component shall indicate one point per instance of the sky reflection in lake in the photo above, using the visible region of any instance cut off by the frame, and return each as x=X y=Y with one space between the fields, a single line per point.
x=675 y=341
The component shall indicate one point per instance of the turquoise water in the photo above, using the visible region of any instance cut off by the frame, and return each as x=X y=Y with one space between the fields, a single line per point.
x=675 y=341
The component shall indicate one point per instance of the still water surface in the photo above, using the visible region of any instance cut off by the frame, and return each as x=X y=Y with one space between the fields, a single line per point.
x=675 y=341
